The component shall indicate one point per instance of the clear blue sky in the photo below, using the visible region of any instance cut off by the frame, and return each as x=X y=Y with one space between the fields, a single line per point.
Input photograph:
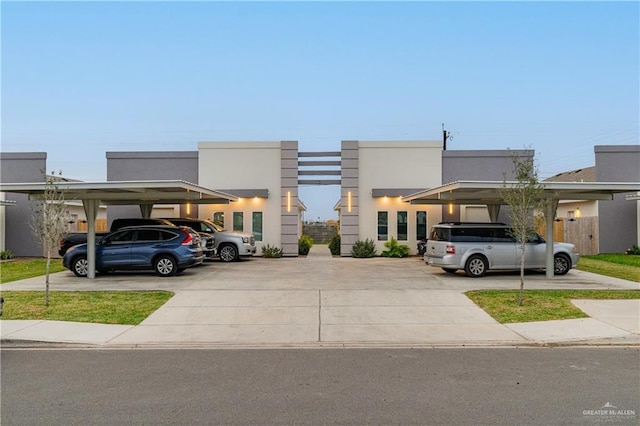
x=83 y=78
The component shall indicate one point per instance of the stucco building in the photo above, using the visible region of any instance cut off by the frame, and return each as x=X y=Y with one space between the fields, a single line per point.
x=372 y=176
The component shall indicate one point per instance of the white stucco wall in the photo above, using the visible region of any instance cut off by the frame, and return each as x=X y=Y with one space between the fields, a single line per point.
x=243 y=165
x=579 y=208
x=393 y=164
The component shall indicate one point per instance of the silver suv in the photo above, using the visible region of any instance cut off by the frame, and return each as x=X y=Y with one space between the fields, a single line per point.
x=479 y=247
x=227 y=245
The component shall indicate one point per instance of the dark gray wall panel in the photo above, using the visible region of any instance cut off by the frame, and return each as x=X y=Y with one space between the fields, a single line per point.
x=21 y=167
x=138 y=165
x=618 y=223
x=487 y=165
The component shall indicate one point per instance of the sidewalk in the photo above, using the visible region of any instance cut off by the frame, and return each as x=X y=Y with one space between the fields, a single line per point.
x=324 y=301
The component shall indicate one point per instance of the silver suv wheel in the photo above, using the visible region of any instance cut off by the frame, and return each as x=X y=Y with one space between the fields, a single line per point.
x=228 y=253
x=476 y=266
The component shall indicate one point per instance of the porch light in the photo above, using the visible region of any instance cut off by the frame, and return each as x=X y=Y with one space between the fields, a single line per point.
x=349 y=201
x=450 y=208
x=289 y=201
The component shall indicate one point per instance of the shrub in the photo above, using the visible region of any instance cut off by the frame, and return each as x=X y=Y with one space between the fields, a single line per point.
x=6 y=254
x=394 y=249
x=271 y=251
x=633 y=250
x=304 y=245
x=362 y=249
x=334 y=245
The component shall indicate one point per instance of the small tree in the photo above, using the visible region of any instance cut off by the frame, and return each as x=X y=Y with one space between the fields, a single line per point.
x=524 y=198
x=49 y=221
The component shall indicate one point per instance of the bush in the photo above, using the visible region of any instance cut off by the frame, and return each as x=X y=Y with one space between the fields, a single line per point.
x=334 y=245
x=633 y=250
x=271 y=251
x=394 y=249
x=6 y=254
x=362 y=249
x=304 y=245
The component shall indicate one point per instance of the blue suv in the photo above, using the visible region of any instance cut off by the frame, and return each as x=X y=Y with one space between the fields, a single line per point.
x=167 y=250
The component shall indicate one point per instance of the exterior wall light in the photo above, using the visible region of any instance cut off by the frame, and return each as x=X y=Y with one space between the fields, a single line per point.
x=289 y=201
x=349 y=201
x=450 y=208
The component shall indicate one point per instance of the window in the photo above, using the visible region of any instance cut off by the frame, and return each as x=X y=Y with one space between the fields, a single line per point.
x=238 y=221
x=147 y=235
x=120 y=237
x=402 y=226
x=218 y=219
x=383 y=226
x=421 y=225
x=256 y=225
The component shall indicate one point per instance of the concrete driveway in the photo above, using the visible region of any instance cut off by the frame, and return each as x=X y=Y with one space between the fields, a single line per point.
x=320 y=300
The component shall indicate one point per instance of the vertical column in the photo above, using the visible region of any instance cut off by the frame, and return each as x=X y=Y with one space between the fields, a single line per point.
x=349 y=196
x=289 y=197
x=91 y=211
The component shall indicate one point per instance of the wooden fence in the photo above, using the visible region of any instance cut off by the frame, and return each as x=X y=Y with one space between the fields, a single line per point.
x=580 y=231
x=101 y=225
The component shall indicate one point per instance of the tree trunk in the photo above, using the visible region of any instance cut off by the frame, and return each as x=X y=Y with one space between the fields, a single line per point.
x=46 y=279
x=521 y=297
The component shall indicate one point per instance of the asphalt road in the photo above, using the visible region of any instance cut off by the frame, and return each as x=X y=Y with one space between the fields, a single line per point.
x=540 y=386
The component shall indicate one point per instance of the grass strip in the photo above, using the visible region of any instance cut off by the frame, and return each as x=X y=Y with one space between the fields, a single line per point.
x=621 y=266
x=22 y=268
x=540 y=305
x=102 y=307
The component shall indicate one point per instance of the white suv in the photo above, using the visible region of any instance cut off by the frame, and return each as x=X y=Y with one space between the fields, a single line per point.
x=479 y=247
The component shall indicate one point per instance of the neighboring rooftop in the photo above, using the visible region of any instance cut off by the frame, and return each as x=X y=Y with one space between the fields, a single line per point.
x=587 y=174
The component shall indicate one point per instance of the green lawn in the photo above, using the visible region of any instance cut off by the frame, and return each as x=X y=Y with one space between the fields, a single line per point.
x=622 y=266
x=103 y=307
x=540 y=305
x=21 y=268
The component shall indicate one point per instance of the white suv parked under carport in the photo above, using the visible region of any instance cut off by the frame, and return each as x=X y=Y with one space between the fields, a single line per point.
x=479 y=247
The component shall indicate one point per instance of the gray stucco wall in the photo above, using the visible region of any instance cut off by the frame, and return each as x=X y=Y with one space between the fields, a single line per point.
x=483 y=165
x=21 y=167
x=349 y=227
x=289 y=183
x=618 y=226
x=138 y=165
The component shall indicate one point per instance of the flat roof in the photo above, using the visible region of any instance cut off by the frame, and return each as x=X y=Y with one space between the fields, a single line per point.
x=129 y=192
x=488 y=192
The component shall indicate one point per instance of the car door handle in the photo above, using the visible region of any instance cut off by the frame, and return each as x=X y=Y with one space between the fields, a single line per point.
x=489 y=247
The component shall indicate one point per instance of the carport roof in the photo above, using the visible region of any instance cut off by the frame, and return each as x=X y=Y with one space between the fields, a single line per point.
x=129 y=192
x=488 y=192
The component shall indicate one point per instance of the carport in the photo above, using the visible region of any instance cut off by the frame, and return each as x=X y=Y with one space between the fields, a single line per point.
x=143 y=193
x=489 y=194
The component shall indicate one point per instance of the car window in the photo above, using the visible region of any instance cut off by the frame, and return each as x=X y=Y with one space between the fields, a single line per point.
x=502 y=235
x=440 y=234
x=470 y=234
x=148 y=235
x=166 y=235
x=120 y=237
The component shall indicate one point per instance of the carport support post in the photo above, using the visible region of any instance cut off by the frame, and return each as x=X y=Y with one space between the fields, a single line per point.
x=91 y=210
x=145 y=210
x=550 y=215
x=494 y=212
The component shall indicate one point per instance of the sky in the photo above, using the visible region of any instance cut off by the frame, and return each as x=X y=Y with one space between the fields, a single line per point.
x=83 y=78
